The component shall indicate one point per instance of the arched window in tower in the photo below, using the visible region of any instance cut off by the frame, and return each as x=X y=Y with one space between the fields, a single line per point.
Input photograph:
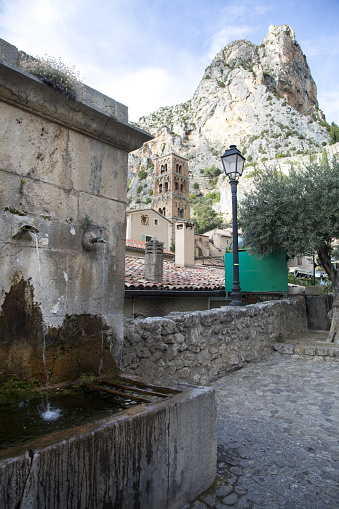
x=182 y=187
x=160 y=188
x=165 y=167
x=181 y=213
x=166 y=187
x=177 y=168
x=160 y=210
x=162 y=168
x=176 y=186
x=178 y=212
x=164 y=211
x=180 y=168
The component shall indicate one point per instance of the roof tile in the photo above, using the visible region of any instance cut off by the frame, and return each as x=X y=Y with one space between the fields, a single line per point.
x=174 y=277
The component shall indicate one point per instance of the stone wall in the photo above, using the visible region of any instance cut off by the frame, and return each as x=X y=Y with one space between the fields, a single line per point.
x=199 y=347
x=318 y=307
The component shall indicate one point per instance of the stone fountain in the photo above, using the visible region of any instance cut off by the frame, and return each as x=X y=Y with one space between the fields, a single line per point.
x=63 y=186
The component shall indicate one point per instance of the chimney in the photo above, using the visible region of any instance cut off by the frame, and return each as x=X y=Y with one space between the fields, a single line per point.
x=184 y=244
x=154 y=254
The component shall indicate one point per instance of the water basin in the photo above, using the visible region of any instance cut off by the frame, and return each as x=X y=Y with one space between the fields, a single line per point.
x=24 y=421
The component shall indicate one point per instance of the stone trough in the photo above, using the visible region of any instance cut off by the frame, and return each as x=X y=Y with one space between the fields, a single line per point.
x=158 y=455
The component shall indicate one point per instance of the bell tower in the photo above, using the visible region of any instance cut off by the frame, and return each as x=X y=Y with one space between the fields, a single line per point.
x=171 y=187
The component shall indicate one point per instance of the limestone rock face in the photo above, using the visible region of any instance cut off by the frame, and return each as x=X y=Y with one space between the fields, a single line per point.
x=261 y=98
x=291 y=76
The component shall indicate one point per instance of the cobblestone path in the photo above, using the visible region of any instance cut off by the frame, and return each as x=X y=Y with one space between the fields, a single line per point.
x=278 y=436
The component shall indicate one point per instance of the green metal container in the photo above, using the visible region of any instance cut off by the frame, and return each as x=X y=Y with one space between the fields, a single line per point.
x=267 y=274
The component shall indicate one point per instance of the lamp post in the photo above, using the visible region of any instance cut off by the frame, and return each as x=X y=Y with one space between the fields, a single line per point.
x=233 y=163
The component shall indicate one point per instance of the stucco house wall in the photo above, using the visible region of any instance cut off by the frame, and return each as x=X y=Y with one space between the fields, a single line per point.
x=144 y=223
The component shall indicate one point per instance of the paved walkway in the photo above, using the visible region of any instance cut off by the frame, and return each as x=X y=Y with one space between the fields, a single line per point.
x=278 y=436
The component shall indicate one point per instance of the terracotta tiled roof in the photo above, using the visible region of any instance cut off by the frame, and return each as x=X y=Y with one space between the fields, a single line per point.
x=140 y=246
x=174 y=277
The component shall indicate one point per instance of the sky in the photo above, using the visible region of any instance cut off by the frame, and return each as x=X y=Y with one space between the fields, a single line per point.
x=152 y=53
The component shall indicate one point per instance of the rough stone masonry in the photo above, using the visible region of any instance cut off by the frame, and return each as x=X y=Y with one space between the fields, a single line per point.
x=199 y=347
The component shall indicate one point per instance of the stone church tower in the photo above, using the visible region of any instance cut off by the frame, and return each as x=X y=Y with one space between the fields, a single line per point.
x=171 y=187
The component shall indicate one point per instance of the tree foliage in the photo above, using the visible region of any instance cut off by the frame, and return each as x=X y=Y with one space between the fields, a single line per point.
x=205 y=219
x=297 y=212
x=334 y=133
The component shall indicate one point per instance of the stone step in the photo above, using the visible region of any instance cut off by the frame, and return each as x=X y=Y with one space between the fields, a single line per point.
x=321 y=350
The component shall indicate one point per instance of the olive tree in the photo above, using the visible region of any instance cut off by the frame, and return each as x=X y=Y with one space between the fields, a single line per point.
x=297 y=212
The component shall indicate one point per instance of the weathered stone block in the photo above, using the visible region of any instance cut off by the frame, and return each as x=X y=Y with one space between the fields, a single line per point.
x=126 y=453
x=309 y=350
x=317 y=311
x=8 y=52
x=289 y=349
x=322 y=350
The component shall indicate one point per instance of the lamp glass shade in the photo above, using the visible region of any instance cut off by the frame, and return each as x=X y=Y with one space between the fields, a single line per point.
x=233 y=162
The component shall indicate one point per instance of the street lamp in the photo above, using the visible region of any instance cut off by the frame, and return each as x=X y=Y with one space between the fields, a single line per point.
x=233 y=163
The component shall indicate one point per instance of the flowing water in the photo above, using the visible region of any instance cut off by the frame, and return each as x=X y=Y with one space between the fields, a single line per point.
x=49 y=413
x=27 y=420
x=102 y=304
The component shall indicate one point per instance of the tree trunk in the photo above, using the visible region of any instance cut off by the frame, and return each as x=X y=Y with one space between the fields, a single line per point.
x=325 y=258
x=333 y=336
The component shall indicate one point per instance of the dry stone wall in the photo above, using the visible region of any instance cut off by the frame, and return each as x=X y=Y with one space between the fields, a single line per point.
x=199 y=347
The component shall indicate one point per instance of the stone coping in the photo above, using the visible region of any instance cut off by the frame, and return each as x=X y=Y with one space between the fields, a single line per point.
x=25 y=91
x=309 y=345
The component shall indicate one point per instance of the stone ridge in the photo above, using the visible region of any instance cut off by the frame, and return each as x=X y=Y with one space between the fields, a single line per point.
x=261 y=98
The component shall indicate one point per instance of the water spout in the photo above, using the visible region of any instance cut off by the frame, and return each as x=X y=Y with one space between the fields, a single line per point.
x=25 y=228
x=92 y=237
x=29 y=228
x=97 y=239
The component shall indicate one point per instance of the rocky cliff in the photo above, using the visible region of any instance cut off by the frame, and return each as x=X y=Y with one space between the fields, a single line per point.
x=261 y=98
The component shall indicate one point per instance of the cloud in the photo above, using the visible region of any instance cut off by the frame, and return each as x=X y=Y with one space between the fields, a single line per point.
x=143 y=90
x=153 y=53
x=329 y=103
x=227 y=35
x=39 y=27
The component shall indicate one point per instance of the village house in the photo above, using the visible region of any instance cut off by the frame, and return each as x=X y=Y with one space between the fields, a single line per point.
x=157 y=280
x=148 y=224
x=157 y=287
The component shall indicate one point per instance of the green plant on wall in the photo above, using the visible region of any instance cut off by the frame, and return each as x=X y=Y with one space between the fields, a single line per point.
x=86 y=222
x=15 y=389
x=54 y=73
x=22 y=183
